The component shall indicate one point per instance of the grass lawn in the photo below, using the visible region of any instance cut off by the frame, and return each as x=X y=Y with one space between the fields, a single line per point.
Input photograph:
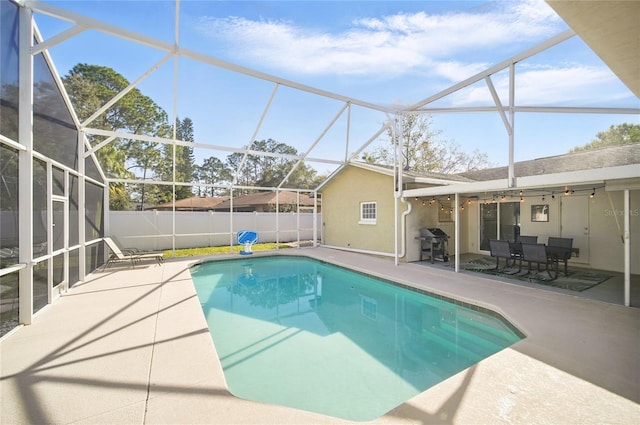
x=209 y=250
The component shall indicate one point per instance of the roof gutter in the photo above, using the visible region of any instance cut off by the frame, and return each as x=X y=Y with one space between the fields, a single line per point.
x=582 y=177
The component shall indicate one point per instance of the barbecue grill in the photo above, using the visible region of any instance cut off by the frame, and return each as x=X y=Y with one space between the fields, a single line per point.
x=434 y=244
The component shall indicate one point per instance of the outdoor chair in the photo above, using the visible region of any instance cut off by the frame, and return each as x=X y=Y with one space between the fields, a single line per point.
x=502 y=249
x=537 y=253
x=516 y=247
x=560 y=249
x=527 y=239
x=133 y=255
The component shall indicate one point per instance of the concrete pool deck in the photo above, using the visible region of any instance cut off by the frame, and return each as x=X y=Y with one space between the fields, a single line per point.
x=132 y=346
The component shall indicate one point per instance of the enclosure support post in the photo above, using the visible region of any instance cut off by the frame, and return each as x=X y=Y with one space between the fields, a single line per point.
x=278 y=218
x=25 y=164
x=457 y=231
x=627 y=251
x=512 y=116
x=82 y=270
x=315 y=218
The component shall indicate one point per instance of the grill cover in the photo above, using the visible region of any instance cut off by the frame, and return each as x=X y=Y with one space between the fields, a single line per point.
x=434 y=233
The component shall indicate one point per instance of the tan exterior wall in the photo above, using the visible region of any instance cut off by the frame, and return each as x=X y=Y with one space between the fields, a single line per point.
x=541 y=229
x=341 y=199
x=605 y=242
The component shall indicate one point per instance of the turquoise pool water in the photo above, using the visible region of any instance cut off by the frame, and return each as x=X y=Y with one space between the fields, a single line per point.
x=305 y=334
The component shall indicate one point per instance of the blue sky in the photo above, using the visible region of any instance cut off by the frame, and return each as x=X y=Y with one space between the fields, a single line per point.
x=392 y=53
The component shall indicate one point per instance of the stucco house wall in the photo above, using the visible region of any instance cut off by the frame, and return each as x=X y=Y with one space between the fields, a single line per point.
x=541 y=229
x=341 y=200
x=605 y=242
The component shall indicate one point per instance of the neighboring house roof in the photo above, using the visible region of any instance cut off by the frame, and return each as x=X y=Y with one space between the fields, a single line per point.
x=427 y=177
x=195 y=203
x=584 y=160
x=266 y=198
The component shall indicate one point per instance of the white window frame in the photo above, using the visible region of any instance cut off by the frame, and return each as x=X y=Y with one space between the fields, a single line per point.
x=368 y=220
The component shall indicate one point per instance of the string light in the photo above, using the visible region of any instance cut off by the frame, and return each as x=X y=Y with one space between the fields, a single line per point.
x=593 y=193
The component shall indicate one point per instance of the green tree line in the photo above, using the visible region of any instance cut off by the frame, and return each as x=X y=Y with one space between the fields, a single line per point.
x=92 y=86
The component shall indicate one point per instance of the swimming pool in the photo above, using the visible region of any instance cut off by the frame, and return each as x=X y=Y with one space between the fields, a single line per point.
x=301 y=333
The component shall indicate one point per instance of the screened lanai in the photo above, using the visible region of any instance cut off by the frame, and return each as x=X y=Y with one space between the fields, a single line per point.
x=73 y=172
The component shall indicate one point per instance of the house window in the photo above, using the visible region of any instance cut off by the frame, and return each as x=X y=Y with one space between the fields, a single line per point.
x=368 y=213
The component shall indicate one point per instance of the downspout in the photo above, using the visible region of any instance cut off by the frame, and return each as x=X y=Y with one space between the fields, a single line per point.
x=395 y=228
x=403 y=222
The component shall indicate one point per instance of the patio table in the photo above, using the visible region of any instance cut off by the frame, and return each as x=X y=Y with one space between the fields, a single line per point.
x=561 y=253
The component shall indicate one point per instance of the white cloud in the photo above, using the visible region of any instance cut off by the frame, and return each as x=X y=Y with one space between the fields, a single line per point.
x=390 y=46
x=537 y=86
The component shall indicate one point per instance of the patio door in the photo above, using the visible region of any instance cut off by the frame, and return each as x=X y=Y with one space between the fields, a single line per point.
x=501 y=222
x=59 y=225
x=575 y=224
x=58 y=208
x=509 y=219
x=488 y=224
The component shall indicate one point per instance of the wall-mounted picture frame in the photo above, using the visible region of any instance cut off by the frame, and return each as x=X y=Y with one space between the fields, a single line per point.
x=540 y=212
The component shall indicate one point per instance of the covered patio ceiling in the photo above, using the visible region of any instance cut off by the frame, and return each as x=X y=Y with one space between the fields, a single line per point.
x=612 y=31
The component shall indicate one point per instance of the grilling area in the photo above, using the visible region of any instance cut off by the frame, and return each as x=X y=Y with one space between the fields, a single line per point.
x=433 y=245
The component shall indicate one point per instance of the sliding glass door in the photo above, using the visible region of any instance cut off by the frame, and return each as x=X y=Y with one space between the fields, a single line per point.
x=509 y=219
x=499 y=221
x=488 y=224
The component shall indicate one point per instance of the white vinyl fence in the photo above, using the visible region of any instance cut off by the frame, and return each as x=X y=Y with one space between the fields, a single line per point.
x=153 y=230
